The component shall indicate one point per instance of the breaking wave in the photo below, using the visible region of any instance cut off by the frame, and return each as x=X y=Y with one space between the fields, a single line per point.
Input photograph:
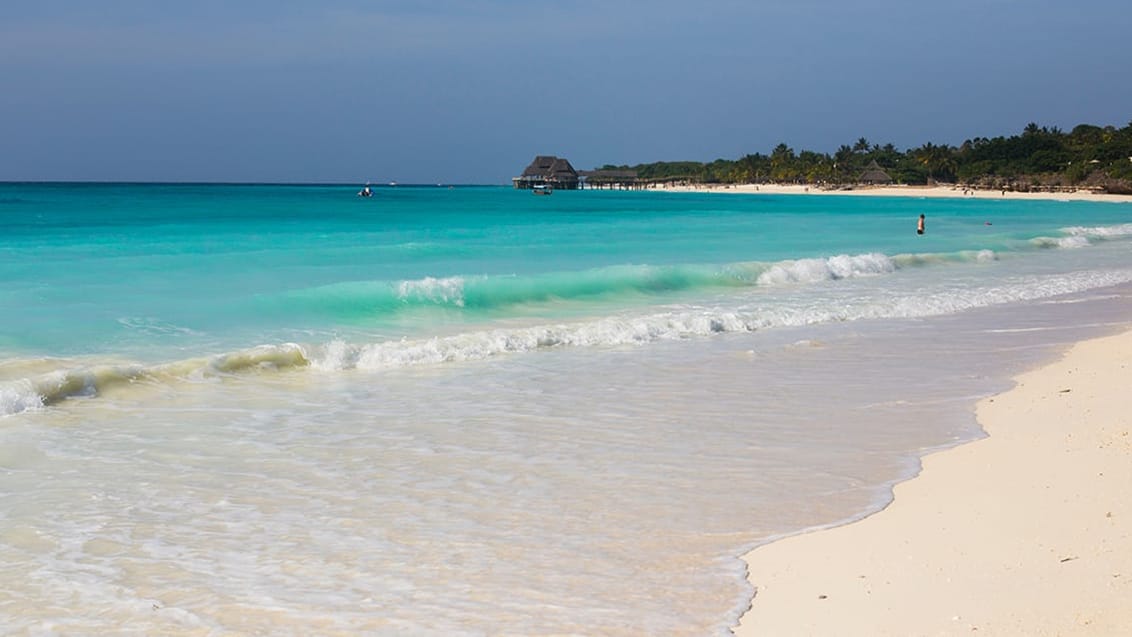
x=1081 y=236
x=40 y=390
x=61 y=381
x=1100 y=232
x=370 y=299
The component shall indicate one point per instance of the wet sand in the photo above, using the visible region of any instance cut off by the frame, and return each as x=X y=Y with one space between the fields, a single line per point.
x=1025 y=532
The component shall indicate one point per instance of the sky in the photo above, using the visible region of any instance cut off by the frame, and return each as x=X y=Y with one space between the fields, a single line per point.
x=453 y=92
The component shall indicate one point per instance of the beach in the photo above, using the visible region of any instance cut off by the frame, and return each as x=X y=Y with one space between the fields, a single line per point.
x=1025 y=532
x=259 y=409
x=938 y=191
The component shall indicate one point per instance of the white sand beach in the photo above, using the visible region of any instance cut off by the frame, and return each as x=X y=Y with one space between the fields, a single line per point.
x=904 y=191
x=1025 y=532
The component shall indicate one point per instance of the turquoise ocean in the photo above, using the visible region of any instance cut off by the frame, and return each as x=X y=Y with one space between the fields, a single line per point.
x=288 y=410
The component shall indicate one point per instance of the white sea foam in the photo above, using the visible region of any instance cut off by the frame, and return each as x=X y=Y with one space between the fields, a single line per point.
x=829 y=269
x=697 y=322
x=611 y=331
x=1083 y=236
x=1105 y=232
x=19 y=396
x=448 y=290
x=336 y=354
x=1070 y=242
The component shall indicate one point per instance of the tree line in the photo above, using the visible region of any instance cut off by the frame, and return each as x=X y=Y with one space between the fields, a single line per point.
x=1039 y=157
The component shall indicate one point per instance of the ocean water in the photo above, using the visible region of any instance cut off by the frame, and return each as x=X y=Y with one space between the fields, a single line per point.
x=244 y=409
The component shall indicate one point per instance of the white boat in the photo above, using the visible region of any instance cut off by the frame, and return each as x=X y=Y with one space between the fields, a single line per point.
x=542 y=189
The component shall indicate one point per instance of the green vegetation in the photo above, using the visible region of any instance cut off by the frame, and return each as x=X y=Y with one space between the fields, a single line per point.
x=1039 y=158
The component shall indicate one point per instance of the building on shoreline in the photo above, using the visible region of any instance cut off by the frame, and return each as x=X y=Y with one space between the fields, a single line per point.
x=612 y=179
x=874 y=175
x=548 y=170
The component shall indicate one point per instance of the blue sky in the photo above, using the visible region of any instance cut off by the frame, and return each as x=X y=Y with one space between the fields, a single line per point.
x=440 y=91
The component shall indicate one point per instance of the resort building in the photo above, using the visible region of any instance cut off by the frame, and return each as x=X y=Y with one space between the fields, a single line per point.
x=612 y=179
x=874 y=175
x=548 y=171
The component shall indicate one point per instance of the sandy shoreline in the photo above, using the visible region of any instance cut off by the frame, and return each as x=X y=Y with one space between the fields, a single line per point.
x=904 y=191
x=1025 y=532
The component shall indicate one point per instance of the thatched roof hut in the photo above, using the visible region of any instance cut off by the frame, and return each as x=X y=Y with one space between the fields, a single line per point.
x=548 y=170
x=874 y=174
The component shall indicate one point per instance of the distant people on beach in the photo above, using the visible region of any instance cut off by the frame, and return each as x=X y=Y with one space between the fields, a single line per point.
x=920 y=225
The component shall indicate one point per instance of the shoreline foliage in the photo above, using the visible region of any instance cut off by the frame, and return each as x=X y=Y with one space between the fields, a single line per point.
x=1038 y=158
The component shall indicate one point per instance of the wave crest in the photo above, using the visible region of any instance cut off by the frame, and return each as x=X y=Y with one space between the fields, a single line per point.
x=1070 y=242
x=1083 y=236
x=49 y=388
x=829 y=269
x=1100 y=232
x=443 y=291
x=43 y=386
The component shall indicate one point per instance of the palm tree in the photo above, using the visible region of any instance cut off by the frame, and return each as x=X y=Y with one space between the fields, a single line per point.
x=782 y=163
x=936 y=160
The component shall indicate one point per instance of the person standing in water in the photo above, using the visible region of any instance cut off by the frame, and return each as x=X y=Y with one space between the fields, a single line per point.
x=920 y=225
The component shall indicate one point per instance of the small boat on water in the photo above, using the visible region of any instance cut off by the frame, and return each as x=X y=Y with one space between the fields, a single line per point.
x=365 y=192
x=542 y=189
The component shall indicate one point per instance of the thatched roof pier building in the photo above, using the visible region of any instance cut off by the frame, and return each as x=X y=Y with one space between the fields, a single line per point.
x=548 y=170
x=558 y=174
